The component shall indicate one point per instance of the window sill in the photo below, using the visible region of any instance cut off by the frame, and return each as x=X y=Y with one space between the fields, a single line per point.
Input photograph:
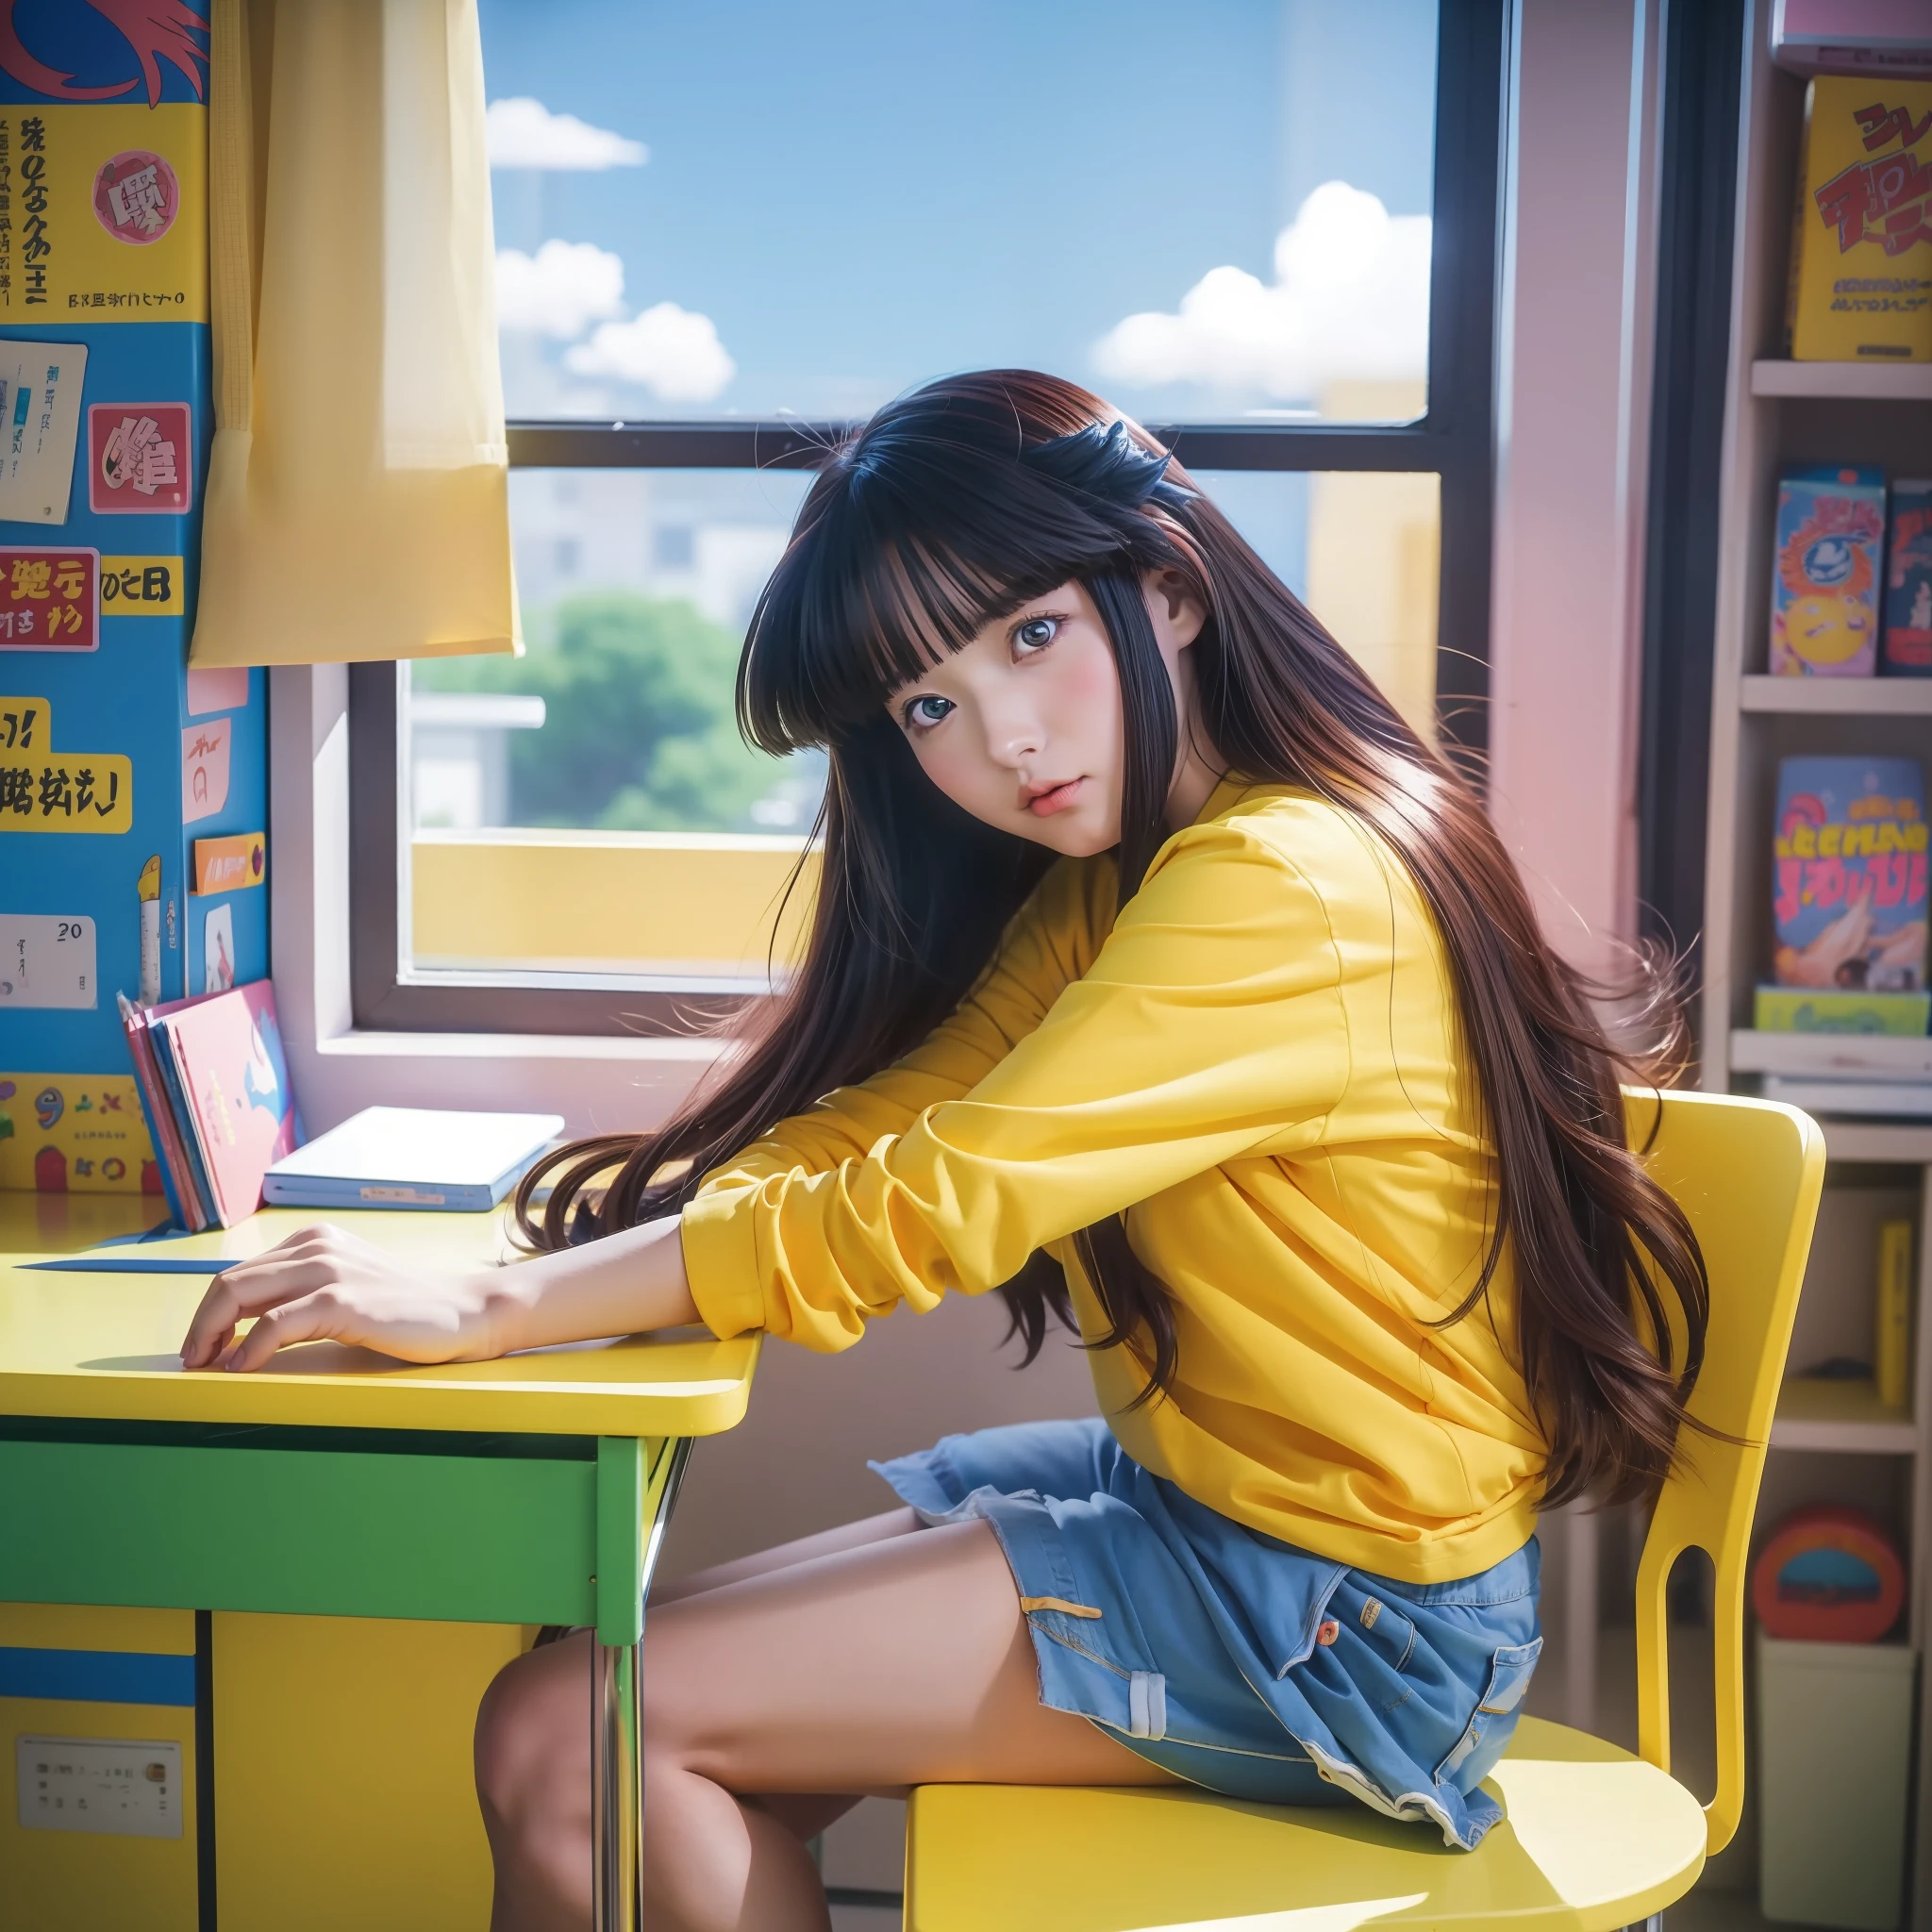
x=648 y=905
x=683 y=1056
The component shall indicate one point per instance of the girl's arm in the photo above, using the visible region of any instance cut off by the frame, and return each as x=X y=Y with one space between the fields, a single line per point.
x=322 y=1284
x=1212 y=1022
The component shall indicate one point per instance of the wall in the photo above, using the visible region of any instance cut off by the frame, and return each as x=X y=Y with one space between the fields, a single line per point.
x=1574 y=397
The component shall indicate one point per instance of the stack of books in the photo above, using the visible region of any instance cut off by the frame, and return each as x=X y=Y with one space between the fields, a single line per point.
x=214 y=1085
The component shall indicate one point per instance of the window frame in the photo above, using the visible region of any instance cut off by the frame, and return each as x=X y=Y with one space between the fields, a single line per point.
x=1453 y=439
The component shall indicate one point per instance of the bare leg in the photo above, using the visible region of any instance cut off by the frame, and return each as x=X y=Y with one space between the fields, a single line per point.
x=900 y=1663
x=803 y=1814
x=828 y=1542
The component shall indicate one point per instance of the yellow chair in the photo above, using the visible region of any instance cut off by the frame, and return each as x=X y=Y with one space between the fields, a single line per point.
x=1594 y=1837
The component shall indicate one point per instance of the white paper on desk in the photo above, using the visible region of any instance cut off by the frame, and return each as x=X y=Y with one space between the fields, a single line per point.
x=40 y=421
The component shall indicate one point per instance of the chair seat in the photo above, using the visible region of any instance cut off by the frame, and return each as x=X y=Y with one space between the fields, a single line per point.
x=1594 y=1838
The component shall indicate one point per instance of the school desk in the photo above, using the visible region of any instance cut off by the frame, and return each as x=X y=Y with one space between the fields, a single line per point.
x=337 y=1483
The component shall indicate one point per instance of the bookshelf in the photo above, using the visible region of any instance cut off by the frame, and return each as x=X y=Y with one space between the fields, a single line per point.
x=1837 y=697
x=1831 y=1440
x=1865 y=382
x=1831 y=1056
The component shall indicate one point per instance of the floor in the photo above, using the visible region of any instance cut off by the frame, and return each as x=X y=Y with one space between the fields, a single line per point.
x=1702 y=1911
x=867 y=1848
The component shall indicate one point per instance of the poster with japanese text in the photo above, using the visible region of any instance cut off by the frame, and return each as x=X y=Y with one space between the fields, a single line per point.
x=50 y=599
x=103 y=212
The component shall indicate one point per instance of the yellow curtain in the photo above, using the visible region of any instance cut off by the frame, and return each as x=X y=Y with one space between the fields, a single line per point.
x=358 y=500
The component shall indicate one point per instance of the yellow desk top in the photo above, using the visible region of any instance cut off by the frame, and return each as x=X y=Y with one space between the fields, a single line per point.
x=104 y=1345
x=449 y=1240
x=35 y=1225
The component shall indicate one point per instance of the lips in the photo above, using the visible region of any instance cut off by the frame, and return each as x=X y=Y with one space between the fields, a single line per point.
x=1042 y=804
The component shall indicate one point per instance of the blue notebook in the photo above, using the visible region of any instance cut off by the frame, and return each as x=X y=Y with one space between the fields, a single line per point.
x=409 y=1157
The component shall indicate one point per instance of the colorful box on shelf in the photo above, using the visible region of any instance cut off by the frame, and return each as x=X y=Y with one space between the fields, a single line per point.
x=1907 y=648
x=1825 y=585
x=1862 y=235
x=105 y=736
x=1848 y=877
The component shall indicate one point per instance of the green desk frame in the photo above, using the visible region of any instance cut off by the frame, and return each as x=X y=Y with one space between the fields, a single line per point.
x=364 y=1522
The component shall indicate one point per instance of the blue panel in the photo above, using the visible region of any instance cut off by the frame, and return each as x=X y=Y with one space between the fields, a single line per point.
x=129 y=697
x=97 y=1677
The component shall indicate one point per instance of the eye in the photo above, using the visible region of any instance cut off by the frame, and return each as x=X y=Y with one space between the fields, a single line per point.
x=922 y=713
x=1035 y=635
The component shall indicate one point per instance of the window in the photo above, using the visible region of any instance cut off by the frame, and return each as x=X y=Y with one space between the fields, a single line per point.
x=1266 y=227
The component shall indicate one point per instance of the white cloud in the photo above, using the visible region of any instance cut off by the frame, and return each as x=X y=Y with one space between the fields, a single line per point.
x=524 y=133
x=1350 y=299
x=673 y=351
x=560 y=290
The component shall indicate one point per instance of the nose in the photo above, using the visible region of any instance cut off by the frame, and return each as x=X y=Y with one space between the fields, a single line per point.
x=1013 y=733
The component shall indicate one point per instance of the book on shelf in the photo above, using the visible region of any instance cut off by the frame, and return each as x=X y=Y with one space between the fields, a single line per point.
x=1829 y=543
x=214 y=1085
x=1848 y=898
x=1861 y=247
x=1906 y=649
x=1892 y=1322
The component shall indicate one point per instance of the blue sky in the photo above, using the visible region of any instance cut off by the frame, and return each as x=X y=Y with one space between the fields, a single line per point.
x=863 y=193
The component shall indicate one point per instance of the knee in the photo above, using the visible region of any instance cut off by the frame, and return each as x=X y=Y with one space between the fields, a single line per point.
x=526 y=1746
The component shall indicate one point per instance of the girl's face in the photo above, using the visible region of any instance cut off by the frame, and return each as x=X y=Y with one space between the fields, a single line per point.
x=1022 y=727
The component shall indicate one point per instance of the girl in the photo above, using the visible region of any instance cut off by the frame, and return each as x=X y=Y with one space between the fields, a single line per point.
x=1163 y=980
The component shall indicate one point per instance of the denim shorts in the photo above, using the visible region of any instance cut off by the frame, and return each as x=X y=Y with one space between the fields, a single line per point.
x=1233 y=1659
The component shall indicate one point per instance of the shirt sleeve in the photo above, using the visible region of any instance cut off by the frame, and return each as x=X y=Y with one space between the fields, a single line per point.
x=1209 y=1023
x=1049 y=942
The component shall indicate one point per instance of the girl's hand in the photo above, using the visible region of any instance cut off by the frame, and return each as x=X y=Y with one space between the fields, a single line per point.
x=321 y=1284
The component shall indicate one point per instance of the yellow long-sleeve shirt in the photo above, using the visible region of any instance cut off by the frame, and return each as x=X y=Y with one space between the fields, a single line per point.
x=1259 y=1062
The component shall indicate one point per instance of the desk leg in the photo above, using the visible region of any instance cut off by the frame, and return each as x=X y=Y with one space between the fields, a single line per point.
x=617 y=1740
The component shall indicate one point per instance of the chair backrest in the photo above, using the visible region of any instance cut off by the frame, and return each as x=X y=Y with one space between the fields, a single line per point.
x=1748 y=1174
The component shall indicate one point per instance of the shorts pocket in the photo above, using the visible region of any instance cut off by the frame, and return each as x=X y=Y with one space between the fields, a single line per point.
x=1511 y=1670
x=1387 y=1632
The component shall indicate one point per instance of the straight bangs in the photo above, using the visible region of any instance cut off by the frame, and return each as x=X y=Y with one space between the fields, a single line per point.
x=883 y=579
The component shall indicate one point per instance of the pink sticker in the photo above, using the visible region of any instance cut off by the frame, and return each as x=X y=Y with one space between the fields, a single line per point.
x=137 y=196
x=204 y=769
x=141 y=458
x=220 y=687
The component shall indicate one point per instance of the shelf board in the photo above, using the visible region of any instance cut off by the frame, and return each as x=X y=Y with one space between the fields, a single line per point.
x=1842 y=1417
x=1833 y=1055
x=1882 y=1141
x=1873 y=382
x=1840 y=697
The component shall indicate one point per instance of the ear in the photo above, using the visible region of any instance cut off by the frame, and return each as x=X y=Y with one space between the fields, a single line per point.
x=1177 y=612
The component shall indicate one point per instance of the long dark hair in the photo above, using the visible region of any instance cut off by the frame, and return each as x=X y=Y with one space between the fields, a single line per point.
x=951 y=509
